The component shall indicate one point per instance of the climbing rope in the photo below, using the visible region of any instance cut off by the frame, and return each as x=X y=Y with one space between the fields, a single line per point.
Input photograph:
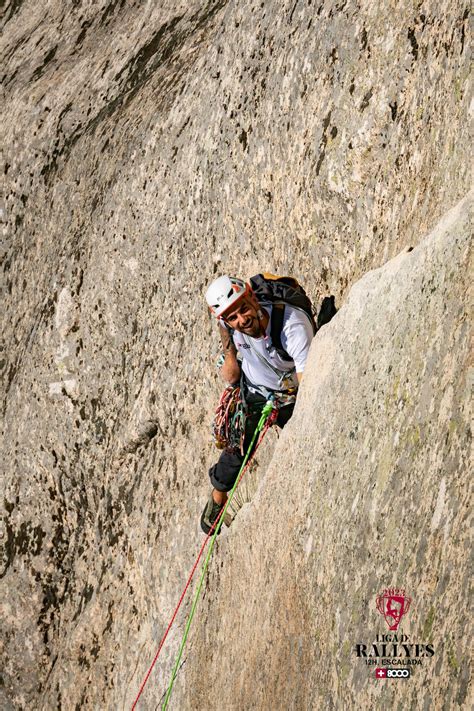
x=267 y=413
x=267 y=419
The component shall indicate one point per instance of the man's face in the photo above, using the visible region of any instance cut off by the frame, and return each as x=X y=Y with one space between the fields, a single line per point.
x=243 y=317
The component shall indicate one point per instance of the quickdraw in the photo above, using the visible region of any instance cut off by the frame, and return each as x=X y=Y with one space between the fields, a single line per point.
x=228 y=427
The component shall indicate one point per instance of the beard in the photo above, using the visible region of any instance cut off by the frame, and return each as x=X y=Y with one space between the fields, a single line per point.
x=253 y=327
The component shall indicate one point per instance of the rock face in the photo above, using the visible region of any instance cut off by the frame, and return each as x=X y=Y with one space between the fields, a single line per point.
x=147 y=148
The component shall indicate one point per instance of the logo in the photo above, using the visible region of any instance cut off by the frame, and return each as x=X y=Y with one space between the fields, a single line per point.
x=392 y=603
x=392 y=673
x=393 y=654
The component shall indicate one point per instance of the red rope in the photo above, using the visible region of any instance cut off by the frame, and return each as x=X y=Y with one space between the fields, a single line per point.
x=268 y=424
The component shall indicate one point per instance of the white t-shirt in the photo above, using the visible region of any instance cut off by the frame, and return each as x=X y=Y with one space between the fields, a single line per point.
x=296 y=337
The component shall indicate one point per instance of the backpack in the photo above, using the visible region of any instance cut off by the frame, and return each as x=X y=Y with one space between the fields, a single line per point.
x=281 y=290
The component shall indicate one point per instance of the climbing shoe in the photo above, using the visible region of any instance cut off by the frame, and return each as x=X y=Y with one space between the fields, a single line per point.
x=210 y=514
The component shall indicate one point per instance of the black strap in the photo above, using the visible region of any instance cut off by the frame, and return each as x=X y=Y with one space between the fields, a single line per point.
x=276 y=327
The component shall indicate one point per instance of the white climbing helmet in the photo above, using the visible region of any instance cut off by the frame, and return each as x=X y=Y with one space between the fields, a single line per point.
x=223 y=292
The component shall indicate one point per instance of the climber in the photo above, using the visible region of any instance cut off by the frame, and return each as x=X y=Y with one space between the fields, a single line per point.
x=247 y=328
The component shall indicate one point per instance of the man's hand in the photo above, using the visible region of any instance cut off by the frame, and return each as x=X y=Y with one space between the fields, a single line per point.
x=226 y=340
x=230 y=370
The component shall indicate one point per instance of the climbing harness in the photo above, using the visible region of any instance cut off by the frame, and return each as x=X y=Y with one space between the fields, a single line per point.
x=267 y=419
x=249 y=390
x=228 y=427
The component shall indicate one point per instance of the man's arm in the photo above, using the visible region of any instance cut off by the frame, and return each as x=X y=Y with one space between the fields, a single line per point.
x=230 y=370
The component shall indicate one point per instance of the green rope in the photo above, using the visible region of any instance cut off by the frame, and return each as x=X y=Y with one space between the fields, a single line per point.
x=265 y=414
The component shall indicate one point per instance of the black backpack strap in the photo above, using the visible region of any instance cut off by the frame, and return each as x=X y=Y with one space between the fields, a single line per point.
x=276 y=327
